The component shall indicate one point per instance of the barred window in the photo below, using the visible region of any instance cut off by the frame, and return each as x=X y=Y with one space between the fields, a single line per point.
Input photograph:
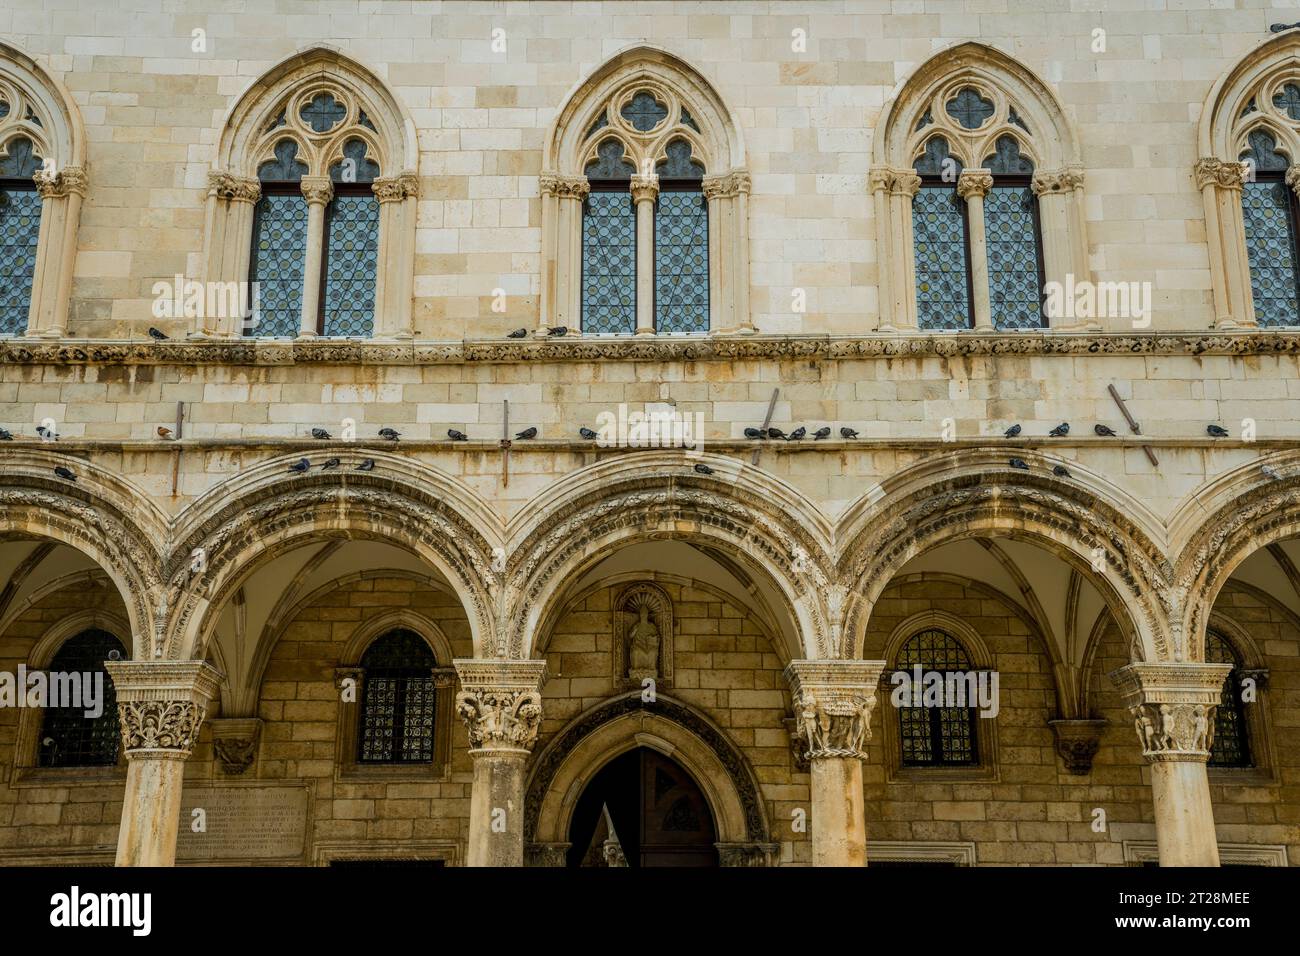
x=351 y=257
x=936 y=736
x=1231 y=746
x=69 y=738
x=681 y=244
x=398 y=700
x=279 y=260
x=20 y=225
x=609 y=244
x=1269 y=211
x=1014 y=239
x=942 y=247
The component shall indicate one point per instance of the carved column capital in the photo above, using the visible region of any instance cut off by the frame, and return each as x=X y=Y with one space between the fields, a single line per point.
x=1172 y=706
x=500 y=702
x=1077 y=742
x=161 y=705
x=644 y=188
x=726 y=185
x=974 y=182
x=318 y=190
x=833 y=701
x=396 y=188
x=1212 y=171
x=60 y=184
x=1293 y=178
x=233 y=188
x=566 y=187
x=1057 y=180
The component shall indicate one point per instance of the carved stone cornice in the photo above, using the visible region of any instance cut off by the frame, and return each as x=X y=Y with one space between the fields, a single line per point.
x=317 y=189
x=1225 y=175
x=1077 y=742
x=396 y=188
x=645 y=188
x=1047 y=182
x=974 y=182
x=60 y=184
x=500 y=702
x=833 y=701
x=161 y=705
x=234 y=743
x=1172 y=706
x=233 y=188
x=565 y=187
x=726 y=185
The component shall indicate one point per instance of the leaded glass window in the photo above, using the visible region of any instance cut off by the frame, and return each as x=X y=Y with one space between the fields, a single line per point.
x=398 y=700
x=609 y=244
x=1012 y=235
x=1269 y=212
x=68 y=737
x=279 y=259
x=943 y=293
x=1231 y=746
x=681 y=245
x=351 y=260
x=20 y=225
x=936 y=736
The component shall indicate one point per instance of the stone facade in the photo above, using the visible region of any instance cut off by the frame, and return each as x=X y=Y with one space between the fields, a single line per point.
x=785 y=576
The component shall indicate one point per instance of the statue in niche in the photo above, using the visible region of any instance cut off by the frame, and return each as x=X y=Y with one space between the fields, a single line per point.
x=643 y=646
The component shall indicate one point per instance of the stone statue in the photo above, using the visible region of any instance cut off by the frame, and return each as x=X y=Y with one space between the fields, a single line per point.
x=643 y=647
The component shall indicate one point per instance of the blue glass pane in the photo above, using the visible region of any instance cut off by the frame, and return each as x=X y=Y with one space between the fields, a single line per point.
x=969 y=108
x=609 y=163
x=934 y=162
x=680 y=164
x=352 y=265
x=644 y=112
x=279 y=263
x=939 y=235
x=1006 y=159
x=20 y=223
x=286 y=167
x=323 y=112
x=19 y=160
x=356 y=167
x=1264 y=153
x=1288 y=99
x=1014 y=296
x=609 y=263
x=1270 y=247
x=682 y=263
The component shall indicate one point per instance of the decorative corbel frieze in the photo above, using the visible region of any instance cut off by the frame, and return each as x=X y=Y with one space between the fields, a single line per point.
x=501 y=702
x=833 y=701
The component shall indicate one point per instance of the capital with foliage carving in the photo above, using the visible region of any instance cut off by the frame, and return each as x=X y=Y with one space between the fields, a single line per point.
x=645 y=188
x=60 y=184
x=317 y=189
x=233 y=188
x=727 y=185
x=565 y=187
x=161 y=705
x=1293 y=179
x=833 y=701
x=1173 y=706
x=1047 y=182
x=1211 y=171
x=500 y=702
x=974 y=182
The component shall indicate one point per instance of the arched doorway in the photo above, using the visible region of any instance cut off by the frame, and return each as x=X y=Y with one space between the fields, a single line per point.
x=642 y=809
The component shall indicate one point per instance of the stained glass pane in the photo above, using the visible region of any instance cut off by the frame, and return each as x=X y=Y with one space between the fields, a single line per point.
x=679 y=164
x=278 y=263
x=323 y=112
x=398 y=701
x=644 y=112
x=1006 y=159
x=682 y=263
x=1288 y=99
x=969 y=108
x=1263 y=153
x=355 y=167
x=1015 y=298
x=939 y=237
x=20 y=224
x=609 y=163
x=936 y=736
x=609 y=263
x=935 y=161
x=68 y=737
x=19 y=160
x=286 y=167
x=1266 y=207
x=1231 y=746
x=351 y=265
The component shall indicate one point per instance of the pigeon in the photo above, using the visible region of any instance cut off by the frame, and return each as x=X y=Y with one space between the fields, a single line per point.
x=164 y=432
x=5 y=435
x=367 y=465
x=389 y=434
x=1018 y=463
x=703 y=469
x=65 y=474
x=301 y=465
x=319 y=434
x=558 y=331
x=848 y=433
x=46 y=433
x=456 y=436
x=1270 y=472
x=517 y=334
x=156 y=335
x=1218 y=431
x=797 y=434
x=821 y=433
x=1059 y=430
x=331 y=463
x=587 y=433
x=776 y=433
x=1105 y=431
x=526 y=434
x=1013 y=431
x=754 y=433
x=1060 y=471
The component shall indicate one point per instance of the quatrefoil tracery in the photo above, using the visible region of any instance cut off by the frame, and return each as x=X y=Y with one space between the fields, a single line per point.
x=320 y=119
x=627 y=110
x=1272 y=108
x=959 y=112
x=20 y=120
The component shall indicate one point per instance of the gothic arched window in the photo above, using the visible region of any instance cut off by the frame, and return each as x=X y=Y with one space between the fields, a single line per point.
x=936 y=736
x=1269 y=215
x=20 y=225
x=1231 y=747
x=609 y=243
x=70 y=738
x=398 y=700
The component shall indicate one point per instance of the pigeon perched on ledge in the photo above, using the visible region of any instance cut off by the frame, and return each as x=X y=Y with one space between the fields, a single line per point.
x=798 y=434
x=1060 y=430
x=1105 y=431
x=517 y=334
x=46 y=433
x=5 y=435
x=1018 y=463
x=1217 y=431
x=754 y=433
x=587 y=433
x=456 y=436
x=821 y=433
x=320 y=434
x=164 y=433
x=156 y=335
x=1060 y=471
x=776 y=433
x=703 y=469
x=301 y=465
x=558 y=331
x=389 y=434
x=65 y=474
x=847 y=432
x=366 y=465
x=526 y=434
x=1013 y=431
x=331 y=463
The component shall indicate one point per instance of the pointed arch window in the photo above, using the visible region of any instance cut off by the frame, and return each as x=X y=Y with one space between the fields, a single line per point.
x=1270 y=214
x=20 y=226
x=398 y=701
x=936 y=736
x=70 y=738
x=1231 y=746
x=609 y=248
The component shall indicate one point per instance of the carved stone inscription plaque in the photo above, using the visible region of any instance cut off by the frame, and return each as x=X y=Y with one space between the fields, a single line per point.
x=243 y=823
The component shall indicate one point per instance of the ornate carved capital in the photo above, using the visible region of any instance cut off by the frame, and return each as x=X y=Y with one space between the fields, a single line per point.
x=501 y=702
x=566 y=187
x=1077 y=742
x=396 y=188
x=644 y=188
x=233 y=188
x=1293 y=178
x=833 y=700
x=1057 y=181
x=1173 y=707
x=1211 y=171
x=317 y=189
x=60 y=184
x=726 y=185
x=748 y=854
x=161 y=705
x=974 y=182
x=234 y=742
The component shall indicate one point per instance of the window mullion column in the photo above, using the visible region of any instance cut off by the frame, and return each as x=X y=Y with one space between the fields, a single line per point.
x=973 y=185
x=318 y=191
x=645 y=189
